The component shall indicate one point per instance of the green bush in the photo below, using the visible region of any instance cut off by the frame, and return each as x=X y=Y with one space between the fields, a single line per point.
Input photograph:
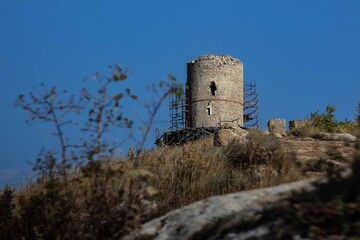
x=326 y=122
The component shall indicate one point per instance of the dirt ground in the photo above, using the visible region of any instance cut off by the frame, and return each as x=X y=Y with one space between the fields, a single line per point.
x=318 y=157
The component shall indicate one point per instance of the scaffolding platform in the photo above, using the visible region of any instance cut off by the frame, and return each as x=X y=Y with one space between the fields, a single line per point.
x=182 y=136
x=180 y=133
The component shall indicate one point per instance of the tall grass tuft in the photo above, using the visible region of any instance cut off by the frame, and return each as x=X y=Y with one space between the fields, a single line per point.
x=197 y=170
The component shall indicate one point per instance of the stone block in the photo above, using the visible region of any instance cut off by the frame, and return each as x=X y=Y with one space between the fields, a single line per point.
x=296 y=124
x=277 y=126
x=225 y=135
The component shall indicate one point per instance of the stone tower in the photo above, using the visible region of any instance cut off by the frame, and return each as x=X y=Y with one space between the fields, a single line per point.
x=215 y=91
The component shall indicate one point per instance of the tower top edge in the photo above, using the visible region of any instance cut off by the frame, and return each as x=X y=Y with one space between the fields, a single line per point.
x=216 y=58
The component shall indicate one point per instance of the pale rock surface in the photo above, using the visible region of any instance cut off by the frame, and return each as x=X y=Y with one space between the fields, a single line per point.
x=277 y=125
x=277 y=135
x=195 y=218
x=225 y=135
x=336 y=136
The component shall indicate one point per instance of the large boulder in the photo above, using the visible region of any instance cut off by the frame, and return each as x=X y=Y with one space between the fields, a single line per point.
x=277 y=126
x=297 y=124
x=225 y=135
x=210 y=216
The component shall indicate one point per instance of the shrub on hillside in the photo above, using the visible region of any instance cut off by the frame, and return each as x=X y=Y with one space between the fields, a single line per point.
x=263 y=158
x=187 y=173
x=259 y=149
x=326 y=122
x=100 y=205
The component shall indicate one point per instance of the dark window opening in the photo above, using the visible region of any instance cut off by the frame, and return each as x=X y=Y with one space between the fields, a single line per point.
x=213 y=88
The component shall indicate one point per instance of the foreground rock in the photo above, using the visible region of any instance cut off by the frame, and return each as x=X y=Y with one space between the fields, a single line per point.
x=204 y=219
x=225 y=135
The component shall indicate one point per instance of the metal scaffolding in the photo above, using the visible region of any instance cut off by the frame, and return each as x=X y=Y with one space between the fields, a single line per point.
x=180 y=133
x=186 y=135
x=177 y=106
x=251 y=106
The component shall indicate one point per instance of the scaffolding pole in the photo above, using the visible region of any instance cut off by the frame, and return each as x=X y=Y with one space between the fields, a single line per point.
x=177 y=106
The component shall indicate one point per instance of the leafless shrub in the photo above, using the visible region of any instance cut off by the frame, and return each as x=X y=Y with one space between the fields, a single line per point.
x=78 y=194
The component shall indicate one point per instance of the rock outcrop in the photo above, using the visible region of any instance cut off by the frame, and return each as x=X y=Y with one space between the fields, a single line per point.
x=297 y=124
x=225 y=135
x=205 y=219
x=277 y=126
x=336 y=136
x=202 y=217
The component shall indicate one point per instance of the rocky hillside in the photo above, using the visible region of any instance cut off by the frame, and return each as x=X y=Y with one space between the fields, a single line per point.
x=256 y=186
x=319 y=156
x=277 y=212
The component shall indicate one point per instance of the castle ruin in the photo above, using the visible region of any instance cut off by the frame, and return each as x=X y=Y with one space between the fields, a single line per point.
x=215 y=97
x=215 y=92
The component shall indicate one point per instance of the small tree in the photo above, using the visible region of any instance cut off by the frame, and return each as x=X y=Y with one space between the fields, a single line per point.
x=103 y=112
x=325 y=121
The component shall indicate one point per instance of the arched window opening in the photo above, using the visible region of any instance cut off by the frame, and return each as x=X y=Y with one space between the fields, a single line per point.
x=213 y=88
x=209 y=109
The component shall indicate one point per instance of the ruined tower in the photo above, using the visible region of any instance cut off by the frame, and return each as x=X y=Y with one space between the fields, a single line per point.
x=215 y=92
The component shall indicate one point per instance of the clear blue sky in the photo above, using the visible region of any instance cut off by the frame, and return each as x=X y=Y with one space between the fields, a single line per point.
x=304 y=54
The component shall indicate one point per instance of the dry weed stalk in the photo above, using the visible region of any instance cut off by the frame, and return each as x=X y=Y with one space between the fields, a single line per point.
x=79 y=194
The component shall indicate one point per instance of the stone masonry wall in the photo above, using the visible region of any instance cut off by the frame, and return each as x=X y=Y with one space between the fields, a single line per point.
x=215 y=91
x=277 y=126
x=296 y=124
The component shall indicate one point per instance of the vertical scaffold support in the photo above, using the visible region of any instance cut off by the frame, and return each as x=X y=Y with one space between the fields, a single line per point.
x=177 y=106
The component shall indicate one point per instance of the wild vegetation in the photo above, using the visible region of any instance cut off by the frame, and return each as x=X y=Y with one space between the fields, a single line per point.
x=110 y=198
x=197 y=170
x=84 y=191
x=326 y=122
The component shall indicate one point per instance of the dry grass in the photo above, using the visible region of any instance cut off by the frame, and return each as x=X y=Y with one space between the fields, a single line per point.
x=197 y=170
x=305 y=131
x=93 y=204
x=110 y=198
x=187 y=173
